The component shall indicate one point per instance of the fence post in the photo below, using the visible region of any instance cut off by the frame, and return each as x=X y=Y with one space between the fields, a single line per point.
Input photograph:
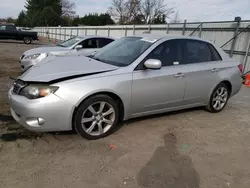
x=200 y=30
x=246 y=56
x=125 y=31
x=47 y=32
x=108 y=31
x=236 y=19
x=77 y=31
x=56 y=34
x=60 y=33
x=184 y=27
x=168 y=28
x=64 y=33
x=96 y=31
x=86 y=31
x=149 y=28
x=134 y=29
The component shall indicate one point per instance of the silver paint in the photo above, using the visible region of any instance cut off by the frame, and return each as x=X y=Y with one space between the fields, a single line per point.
x=142 y=92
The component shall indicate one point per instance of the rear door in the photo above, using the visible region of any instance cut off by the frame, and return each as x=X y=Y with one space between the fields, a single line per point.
x=158 y=90
x=202 y=63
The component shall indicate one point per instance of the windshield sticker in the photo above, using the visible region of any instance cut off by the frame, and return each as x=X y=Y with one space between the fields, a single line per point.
x=148 y=40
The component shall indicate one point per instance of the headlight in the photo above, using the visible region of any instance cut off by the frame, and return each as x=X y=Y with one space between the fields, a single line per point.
x=38 y=91
x=34 y=56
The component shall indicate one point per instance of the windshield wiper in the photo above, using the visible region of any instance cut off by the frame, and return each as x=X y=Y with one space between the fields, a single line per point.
x=90 y=56
x=105 y=61
x=95 y=58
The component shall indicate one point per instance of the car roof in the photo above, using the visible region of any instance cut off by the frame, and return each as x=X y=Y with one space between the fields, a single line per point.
x=93 y=36
x=156 y=37
x=6 y=24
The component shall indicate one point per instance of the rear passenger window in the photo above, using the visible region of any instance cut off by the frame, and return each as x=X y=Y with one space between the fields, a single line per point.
x=215 y=55
x=103 y=42
x=197 y=51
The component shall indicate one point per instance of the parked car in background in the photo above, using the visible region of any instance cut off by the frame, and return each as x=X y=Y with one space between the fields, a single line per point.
x=79 y=45
x=131 y=77
x=9 y=31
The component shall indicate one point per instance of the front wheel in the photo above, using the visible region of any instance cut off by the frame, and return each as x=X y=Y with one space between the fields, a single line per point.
x=219 y=98
x=97 y=117
x=27 y=40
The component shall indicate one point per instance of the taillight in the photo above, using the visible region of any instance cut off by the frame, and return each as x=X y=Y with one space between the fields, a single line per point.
x=240 y=66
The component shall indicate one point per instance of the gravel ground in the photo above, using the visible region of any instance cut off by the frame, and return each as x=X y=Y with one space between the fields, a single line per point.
x=186 y=149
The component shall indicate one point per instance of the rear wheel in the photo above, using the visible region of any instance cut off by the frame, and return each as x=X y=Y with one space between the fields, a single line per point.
x=219 y=98
x=97 y=117
x=27 y=40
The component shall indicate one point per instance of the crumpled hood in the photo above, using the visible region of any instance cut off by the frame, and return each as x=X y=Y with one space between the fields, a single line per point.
x=45 y=49
x=54 y=68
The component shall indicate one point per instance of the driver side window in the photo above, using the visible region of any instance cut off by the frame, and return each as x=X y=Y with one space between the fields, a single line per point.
x=89 y=43
x=169 y=53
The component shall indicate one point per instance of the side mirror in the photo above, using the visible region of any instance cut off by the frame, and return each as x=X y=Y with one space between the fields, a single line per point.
x=153 y=64
x=78 y=47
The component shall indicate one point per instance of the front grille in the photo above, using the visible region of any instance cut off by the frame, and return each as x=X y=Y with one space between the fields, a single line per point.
x=18 y=85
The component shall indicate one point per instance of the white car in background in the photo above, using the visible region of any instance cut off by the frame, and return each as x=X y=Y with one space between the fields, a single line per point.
x=79 y=45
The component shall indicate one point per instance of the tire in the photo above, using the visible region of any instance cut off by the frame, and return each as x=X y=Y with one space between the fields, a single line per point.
x=27 y=40
x=218 y=98
x=97 y=117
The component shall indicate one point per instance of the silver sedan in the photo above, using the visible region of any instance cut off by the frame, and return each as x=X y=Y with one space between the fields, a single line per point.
x=80 y=45
x=131 y=77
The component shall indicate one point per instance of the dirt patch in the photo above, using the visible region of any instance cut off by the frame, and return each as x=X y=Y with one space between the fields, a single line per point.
x=156 y=172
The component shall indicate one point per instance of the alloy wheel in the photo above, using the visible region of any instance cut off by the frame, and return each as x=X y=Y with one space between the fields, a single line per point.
x=98 y=118
x=220 y=98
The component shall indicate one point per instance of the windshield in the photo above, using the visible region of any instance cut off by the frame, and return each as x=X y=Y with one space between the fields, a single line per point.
x=70 y=42
x=2 y=27
x=122 y=52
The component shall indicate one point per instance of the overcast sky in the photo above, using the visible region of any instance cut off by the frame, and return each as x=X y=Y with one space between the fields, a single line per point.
x=192 y=10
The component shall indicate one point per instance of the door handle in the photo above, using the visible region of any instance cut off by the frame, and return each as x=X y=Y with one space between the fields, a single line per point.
x=179 y=75
x=214 y=70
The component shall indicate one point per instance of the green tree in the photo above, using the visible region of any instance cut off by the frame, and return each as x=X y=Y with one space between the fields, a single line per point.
x=66 y=21
x=94 y=19
x=44 y=12
x=76 y=21
x=21 y=19
x=105 y=19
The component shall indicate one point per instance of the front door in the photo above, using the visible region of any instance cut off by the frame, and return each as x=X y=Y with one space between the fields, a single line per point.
x=157 y=90
x=89 y=46
x=12 y=32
